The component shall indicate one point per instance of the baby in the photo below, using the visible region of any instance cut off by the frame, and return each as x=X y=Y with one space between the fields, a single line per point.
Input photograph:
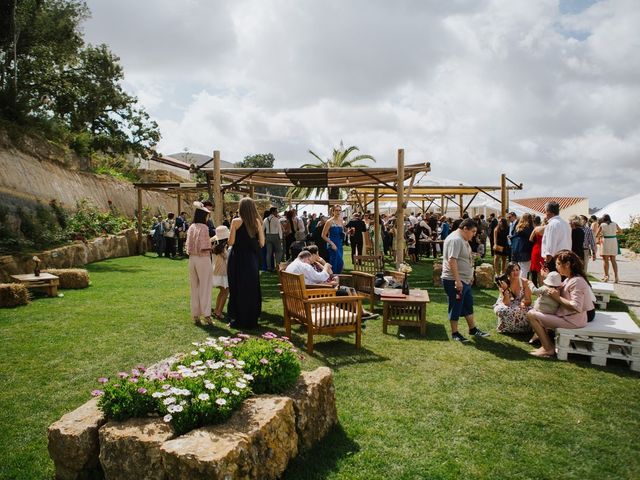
x=545 y=303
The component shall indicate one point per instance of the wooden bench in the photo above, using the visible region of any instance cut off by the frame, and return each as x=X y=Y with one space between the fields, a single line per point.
x=609 y=335
x=319 y=309
x=603 y=292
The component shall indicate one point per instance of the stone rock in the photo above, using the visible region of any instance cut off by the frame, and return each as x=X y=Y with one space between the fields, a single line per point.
x=73 y=442
x=314 y=401
x=484 y=276
x=256 y=443
x=131 y=449
x=437 y=273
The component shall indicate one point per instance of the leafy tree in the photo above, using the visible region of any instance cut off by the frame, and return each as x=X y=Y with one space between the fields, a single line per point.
x=265 y=160
x=48 y=77
x=339 y=159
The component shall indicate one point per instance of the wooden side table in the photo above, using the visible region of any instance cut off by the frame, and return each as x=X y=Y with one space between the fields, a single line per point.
x=410 y=310
x=44 y=280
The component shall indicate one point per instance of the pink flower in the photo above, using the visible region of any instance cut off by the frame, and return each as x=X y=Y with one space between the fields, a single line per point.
x=97 y=393
x=135 y=372
x=264 y=361
x=243 y=335
x=103 y=380
x=228 y=353
x=133 y=380
x=278 y=350
x=142 y=390
x=123 y=374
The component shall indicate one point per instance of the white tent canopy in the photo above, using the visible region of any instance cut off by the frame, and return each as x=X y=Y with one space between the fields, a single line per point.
x=622 y=211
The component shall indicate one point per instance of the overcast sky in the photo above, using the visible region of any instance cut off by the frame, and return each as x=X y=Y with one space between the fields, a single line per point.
x=546 y=91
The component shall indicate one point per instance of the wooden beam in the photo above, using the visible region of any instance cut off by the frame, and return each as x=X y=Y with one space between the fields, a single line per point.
x=504 y=198
x=140 y=251
x=376 y=225
x=218 y=199
x=179 y=203
x=400 y=212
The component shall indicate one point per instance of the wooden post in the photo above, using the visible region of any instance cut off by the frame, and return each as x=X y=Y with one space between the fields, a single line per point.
x=423 y=207
x=400 y=211
x=251 y=191
x=218 y=201
x=365 y=202
x=461 y=205
x=376 y=225
x=179 y=204
x=504 y=195
x=442 y=207
x=140 y=251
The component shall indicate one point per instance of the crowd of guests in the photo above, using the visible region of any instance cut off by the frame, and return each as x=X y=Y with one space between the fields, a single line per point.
x=546 y=258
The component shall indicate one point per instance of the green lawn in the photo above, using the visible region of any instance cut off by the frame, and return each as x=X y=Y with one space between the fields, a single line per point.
x=409 y=407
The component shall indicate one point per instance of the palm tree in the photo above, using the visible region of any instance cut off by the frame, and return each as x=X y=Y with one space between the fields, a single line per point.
x=339 y=159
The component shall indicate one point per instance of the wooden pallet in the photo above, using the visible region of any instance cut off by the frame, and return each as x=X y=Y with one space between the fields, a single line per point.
x=603 y=292
x=611 y=335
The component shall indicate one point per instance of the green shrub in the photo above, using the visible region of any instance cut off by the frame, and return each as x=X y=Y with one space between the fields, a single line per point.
x=631 y=237
x=273 y=362
x=207 y=386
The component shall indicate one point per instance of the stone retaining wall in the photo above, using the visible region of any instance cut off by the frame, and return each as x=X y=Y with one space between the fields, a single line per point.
x=257 y=442
x=74 y=255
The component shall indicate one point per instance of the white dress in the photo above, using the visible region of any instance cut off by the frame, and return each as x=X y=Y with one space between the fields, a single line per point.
x=609 y=240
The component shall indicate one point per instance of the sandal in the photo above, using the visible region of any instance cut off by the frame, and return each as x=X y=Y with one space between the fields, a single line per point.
x=197 y=321
x=218 y=316
x=208 y=321
x=605 y=278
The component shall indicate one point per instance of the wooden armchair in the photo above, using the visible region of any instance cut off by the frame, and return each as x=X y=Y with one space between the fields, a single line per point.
x=319 y=309
x=363 y=275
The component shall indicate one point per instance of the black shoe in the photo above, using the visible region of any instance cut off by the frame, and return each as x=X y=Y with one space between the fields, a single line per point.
x=457 y=337
x=476 y=332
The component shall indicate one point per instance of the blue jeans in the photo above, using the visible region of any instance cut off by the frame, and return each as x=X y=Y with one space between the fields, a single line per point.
x=458 y=307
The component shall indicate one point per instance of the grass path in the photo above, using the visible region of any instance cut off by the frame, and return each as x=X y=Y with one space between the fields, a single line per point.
x=409 y=407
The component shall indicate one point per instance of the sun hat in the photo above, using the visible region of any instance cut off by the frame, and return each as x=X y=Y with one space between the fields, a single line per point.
x=200 y=206
x=553 y=280
x=222 y=233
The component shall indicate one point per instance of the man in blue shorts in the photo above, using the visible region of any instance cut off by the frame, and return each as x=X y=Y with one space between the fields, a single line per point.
x=457 y=276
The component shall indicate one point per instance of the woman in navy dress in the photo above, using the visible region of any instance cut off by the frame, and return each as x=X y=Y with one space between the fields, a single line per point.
x=246 y=239
x=333 y=233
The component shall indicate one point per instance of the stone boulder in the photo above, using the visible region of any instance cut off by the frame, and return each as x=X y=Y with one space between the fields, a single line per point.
x=131 y=449
x=484 y=276
x=73 y=442
x=437 y=273
x=314 y=400
x=257 y=443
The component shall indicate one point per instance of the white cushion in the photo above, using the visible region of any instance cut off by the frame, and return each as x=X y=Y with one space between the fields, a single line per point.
x=607 y=324
x=321 y=316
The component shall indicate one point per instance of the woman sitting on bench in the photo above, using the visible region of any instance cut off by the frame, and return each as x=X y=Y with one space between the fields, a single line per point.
x=574 y=296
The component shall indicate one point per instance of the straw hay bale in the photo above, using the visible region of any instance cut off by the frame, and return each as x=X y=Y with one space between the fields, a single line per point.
x=71 y=277
x=13 y=294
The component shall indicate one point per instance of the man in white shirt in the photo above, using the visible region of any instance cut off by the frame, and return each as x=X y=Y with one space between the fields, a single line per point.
x=557 y=233
x=273 y=238
x=413 y=219
x=302 y=265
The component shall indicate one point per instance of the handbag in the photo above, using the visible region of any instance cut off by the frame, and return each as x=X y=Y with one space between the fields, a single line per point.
x=498 y=248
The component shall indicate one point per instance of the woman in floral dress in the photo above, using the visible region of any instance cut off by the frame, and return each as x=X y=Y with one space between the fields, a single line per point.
x=513 y=303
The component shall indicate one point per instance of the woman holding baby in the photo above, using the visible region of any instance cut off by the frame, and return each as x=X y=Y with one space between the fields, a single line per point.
x=514 y=302
x=574 y=298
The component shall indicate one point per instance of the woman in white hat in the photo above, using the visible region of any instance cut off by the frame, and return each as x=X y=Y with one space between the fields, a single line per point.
x=198 y=247
x=220 y=278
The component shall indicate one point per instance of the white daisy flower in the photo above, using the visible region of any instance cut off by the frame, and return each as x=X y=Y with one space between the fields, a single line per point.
x=225 y=390
x=169 y=401
x=167 y=418
x=221 y=401
x=203 y=396
x=235 y=392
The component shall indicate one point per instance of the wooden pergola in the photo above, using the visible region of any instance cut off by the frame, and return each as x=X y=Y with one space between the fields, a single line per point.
x=370 y=184
x=244 y=180
x=426 y=196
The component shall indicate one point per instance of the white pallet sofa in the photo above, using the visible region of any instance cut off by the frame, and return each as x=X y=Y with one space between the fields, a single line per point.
x=609 y=335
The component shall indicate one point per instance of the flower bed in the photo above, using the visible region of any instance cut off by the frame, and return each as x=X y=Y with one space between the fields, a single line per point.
x=206 y=386
x=256 y=441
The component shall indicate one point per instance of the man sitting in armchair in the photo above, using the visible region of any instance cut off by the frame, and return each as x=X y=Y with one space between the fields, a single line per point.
x=304 y=264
